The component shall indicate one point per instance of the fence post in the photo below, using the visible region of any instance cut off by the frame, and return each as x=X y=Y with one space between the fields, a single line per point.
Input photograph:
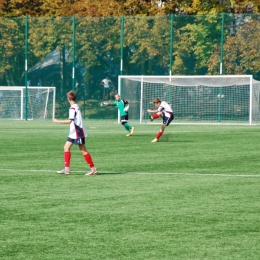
x=73 y=51
x=26 y=67
x=171 y=42
x=221 y=69
x=122 y=45
x=221 y=45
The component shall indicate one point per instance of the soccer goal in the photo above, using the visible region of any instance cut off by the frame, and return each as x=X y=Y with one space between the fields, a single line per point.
x=27 y=103
x=195 y=99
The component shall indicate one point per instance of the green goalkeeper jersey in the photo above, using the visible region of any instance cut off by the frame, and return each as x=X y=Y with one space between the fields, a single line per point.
x=121 y=104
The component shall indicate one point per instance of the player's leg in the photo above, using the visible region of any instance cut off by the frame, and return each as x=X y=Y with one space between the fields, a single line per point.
x=88 y=159
x=67 y=156
x=166 y=121
x=129 y=129
x=106 y=94
x=159 y=134
x=155 y=116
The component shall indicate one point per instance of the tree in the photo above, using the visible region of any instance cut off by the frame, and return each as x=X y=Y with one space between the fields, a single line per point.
x=104 y=8
x=194 y=44
x=12 y=50
x=59 y=8
x=47 y=36
x=147 y=45
x=241 y=56
x=215 y=7
x=98 y=50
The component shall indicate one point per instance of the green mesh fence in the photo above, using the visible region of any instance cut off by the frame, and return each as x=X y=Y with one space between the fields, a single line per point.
x=79 y=52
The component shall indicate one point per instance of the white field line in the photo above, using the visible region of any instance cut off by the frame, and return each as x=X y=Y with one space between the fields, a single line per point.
x=121 y=131
x=147 y=173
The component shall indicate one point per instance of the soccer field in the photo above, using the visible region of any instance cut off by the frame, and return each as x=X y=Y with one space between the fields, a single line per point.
x=193 y=195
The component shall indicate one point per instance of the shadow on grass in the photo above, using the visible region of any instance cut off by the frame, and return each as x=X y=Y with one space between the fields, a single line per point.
x=105 y=173
x=175 y=141
x=163 y=139
x=99 y=173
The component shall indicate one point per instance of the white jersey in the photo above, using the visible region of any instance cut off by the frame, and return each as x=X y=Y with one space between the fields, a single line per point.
x=165 y=108
x=77 y=129
x=106 y=83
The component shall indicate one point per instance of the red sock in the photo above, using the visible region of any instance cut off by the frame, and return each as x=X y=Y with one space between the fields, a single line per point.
x=67 y=156
x=89 y=160
x=159 y=135
x=155 y=116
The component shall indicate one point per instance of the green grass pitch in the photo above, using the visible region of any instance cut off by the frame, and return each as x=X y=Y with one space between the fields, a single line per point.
x=193 y=195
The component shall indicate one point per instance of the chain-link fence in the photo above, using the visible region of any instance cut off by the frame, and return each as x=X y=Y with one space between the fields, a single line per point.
x=79 y=52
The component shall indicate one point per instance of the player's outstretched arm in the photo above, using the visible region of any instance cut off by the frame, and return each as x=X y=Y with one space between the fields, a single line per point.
x=151 y=111
x=105 y=104
x=68 y=121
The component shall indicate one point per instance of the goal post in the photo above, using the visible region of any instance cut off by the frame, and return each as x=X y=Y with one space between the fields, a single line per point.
x=40 y=102
x=230 y=99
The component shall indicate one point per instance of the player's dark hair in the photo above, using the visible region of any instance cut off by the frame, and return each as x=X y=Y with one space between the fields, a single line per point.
x=156 y=100
x=72 y=95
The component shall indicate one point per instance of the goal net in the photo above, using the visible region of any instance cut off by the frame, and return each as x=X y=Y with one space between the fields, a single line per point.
x=30 y=103
x=195 y=99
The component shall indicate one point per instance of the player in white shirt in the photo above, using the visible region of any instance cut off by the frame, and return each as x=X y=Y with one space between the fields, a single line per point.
x=164 y=110
x=77 y=129
x=106 y=83
x=76 y=136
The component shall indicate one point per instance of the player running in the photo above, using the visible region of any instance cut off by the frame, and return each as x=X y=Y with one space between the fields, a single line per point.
x=123 y=107
x=165 y=111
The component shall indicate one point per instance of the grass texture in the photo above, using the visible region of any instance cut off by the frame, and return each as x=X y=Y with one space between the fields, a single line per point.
x=193 y=195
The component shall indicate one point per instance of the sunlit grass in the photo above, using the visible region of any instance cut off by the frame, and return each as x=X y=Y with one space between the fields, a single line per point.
x=194 y=195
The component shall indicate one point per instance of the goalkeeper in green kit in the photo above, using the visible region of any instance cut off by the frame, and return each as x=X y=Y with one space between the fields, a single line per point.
x=123 y=107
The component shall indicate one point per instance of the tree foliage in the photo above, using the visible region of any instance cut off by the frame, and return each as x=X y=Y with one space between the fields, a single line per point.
x=241 y=54
x=12 y=50
x=146 y=38
x=104 y=8
x=194 y=44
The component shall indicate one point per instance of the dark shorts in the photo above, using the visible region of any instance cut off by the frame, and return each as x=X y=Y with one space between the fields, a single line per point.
x=167 y=120
x=124 y=119
x=106 y=91
x=76 y=141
